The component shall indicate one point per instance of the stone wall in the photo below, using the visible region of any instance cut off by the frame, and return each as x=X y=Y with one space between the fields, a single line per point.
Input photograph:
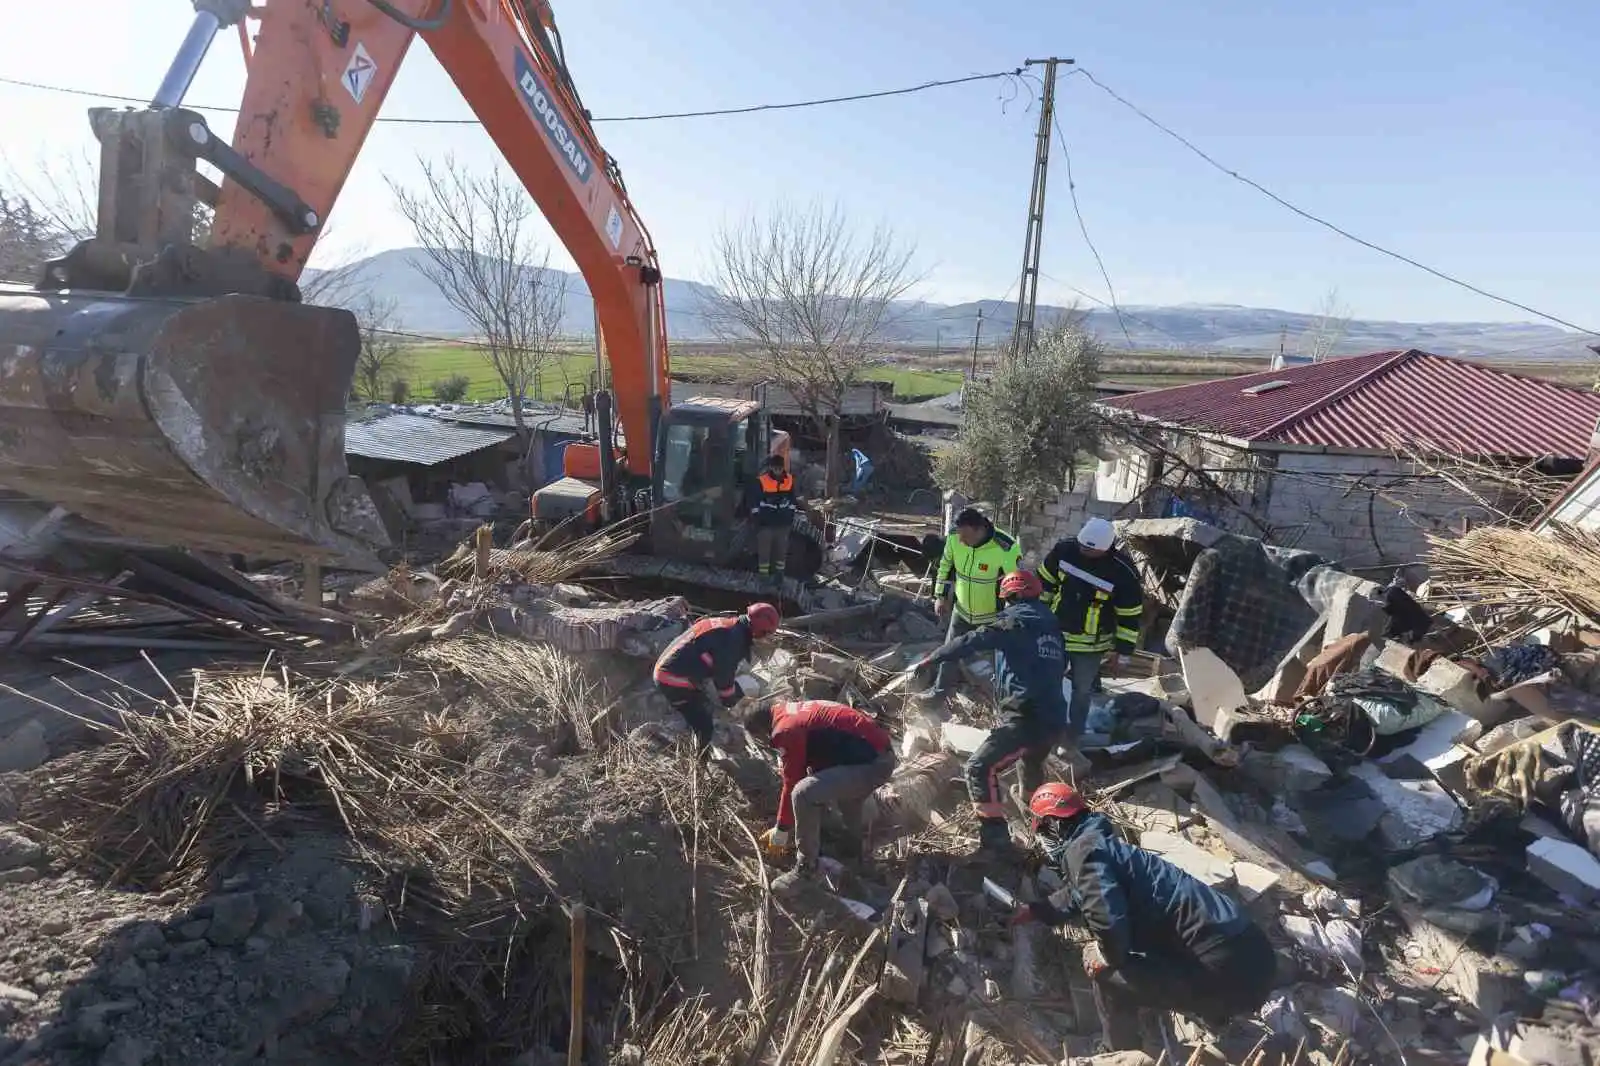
x=1059 y=519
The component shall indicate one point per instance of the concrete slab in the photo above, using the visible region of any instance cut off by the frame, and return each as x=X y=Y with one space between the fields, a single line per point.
x=1189 y=857
x=1212 y=684
x=1565 y=867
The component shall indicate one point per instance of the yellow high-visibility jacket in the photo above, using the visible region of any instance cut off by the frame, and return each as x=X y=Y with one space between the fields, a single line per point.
x=976 y=572
x=1098 y=601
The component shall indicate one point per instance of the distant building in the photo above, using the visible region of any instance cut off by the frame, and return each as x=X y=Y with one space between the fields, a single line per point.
x=1314 y=455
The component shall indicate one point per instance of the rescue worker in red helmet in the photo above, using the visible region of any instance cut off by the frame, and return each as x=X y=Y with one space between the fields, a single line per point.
x=832 y=755
x=697 y=671
x=1033 y=712
x=1162 y=940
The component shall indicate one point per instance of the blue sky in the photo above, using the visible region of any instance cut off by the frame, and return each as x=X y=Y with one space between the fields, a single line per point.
x=1461 y=132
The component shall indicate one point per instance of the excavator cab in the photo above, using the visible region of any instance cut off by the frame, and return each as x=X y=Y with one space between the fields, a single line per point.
x=709 y=453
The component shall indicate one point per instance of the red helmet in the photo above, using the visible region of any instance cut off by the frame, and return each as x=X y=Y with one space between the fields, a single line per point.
x=764 y=619
x=1021 y=585
x=1056 y=800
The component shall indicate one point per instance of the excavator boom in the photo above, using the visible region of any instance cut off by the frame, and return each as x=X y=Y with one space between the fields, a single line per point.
x=177 y=391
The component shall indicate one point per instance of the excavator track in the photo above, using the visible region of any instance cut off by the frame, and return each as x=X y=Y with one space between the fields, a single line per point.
x=215 y=424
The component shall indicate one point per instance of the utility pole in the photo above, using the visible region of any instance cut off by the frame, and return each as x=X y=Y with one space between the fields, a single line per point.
x=977 y=332
x=1028 y=292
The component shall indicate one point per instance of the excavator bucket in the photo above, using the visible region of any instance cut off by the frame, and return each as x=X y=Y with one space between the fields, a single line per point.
x=213 y=424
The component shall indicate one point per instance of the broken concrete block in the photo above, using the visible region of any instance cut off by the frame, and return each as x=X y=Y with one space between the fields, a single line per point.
x=1295 y=768
x=1154 y=805
x=1415 y=811
x=1192 y=859
x=961 y=739
x=1394 y=659
x=25 y=749
x=1254 y=881
x=833 y=667
x=1353 y=610
x=942 y=903
x=1212 y=684
x=1565 y=867
x=1458 y=688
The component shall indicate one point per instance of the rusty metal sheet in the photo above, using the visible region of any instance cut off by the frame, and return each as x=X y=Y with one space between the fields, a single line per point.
x=215 y=425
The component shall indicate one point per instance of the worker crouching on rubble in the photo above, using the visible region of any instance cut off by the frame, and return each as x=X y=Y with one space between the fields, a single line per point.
x=697 y=671
x=1098 y=599
x=1033 y=711
x=1162 y=940
x=832 y=754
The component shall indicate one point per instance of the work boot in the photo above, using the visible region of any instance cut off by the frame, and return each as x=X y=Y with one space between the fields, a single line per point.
x=802 y=878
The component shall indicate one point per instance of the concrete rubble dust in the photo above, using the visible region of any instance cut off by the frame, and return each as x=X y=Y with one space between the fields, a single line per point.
x=470 y=820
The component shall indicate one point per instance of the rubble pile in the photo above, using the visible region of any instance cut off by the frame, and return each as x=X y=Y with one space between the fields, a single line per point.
x=445 y=842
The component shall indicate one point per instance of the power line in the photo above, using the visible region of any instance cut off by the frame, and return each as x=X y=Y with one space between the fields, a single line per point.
x=1083 y=228
x=402 y=121
x=1129 y=315
x=1324 y=223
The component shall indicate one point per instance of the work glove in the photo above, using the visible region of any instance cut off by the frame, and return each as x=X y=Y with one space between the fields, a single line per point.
x=1023 y=915
x=775 y=842
x=1094 y=960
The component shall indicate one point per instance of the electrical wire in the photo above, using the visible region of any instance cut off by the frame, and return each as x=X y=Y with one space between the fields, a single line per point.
x=663 y=116
x=1083 y=228
x=1324 y=223
x=1129 y=315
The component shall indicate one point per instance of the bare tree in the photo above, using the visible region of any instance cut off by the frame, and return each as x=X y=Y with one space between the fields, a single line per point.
x=383 y=359
x=814 y=297
x=1333 y=322
x=28 y=239
x=63 y=191
x=484 y=258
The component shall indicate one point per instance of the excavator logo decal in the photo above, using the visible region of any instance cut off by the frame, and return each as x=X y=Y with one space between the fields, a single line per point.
x=543 y=105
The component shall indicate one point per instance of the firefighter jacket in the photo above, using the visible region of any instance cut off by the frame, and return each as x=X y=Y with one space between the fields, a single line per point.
x=818 y=735
x=1029 y=663
x=774 y=503
x=975 y=573
x=1132 y=900
x=708 y=651
x=1098 y=601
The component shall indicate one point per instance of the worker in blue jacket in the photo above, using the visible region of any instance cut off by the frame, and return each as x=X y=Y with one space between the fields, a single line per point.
x=1162 y=940
x=1028 y=671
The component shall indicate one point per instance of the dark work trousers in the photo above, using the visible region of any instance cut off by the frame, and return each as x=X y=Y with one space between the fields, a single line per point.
x=844 y=787
x=698 y=707
x=1220 y=984
x=1021 y=736
x=772 y=549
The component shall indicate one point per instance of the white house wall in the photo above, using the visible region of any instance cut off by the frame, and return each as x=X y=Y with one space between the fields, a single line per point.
x=1582 y=507
x=1363 y=510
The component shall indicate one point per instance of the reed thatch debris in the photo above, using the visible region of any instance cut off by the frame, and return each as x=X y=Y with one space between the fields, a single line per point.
x=1514 y=581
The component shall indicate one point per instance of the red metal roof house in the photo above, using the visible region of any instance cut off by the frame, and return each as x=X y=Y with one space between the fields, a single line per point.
x=1311 y=450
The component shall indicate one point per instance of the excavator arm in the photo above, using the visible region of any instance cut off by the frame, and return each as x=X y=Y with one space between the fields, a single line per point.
x=318 y=76
x=177 y=391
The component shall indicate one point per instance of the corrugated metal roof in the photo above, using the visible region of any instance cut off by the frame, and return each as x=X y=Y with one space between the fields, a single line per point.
x=1376 y=401
x=418 y=439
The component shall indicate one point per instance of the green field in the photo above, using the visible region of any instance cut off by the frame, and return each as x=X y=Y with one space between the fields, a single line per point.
x=428 y=364
x=914 y=375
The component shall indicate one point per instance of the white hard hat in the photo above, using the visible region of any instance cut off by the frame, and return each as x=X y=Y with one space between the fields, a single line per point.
x=1098 y=535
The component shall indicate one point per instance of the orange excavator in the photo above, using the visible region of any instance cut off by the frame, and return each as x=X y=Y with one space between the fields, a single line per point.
x=177 y=391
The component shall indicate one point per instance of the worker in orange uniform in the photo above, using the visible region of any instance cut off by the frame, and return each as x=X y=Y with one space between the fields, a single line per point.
x=832 y=755
x=1162 y=940
x=697 y=671
x=773 y=510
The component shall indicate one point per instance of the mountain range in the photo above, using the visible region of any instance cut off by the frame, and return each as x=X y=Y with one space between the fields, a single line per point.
x=1197 y=328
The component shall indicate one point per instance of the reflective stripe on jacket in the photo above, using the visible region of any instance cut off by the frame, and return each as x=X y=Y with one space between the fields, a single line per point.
x=709 y=650
x=1098 y=601
x=975 y=573
x=775 y=499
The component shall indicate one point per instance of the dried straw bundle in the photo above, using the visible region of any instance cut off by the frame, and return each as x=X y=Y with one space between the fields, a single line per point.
x=1517 y=581
x=534 y=563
